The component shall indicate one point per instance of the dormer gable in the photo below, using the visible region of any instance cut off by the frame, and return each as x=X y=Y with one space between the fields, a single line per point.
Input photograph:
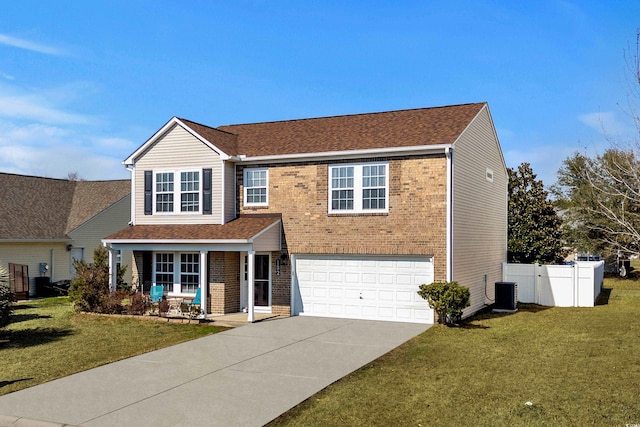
x=221 y=142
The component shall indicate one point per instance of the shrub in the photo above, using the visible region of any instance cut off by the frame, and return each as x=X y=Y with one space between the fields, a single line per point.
x=138 y=303
x=448 y=299
x=89 y=289
x=6 y=298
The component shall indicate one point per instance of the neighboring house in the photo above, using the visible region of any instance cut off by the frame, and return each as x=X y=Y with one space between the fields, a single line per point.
x=337 y=216
x=45 y=222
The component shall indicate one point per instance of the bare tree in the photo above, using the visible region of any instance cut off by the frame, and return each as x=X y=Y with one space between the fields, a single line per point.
x=74 y=176
x=600 y=196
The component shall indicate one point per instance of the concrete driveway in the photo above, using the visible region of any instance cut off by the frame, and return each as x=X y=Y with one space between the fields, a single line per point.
x=246 y=376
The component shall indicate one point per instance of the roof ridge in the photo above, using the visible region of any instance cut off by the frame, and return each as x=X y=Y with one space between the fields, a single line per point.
x=203 y=125
x=34 y=176
x=348 y=115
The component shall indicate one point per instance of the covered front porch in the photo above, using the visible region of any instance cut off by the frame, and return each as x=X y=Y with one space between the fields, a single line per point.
x=238 y=267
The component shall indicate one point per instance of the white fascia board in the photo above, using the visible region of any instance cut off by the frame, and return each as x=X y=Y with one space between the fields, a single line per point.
x=178 y=246
x=341 y=155
x=36 y=240
x=174 y=120
x=174 y=241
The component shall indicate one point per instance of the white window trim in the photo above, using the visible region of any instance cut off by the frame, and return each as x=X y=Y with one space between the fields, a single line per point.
x=357 y=188
x=245 y=188
x=176 y=286
x=177 y=192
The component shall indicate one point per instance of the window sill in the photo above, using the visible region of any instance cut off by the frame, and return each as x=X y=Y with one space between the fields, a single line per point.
x=335 y=214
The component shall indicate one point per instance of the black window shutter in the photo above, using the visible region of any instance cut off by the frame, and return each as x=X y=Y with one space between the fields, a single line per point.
x=206 y=191
x=148 y=192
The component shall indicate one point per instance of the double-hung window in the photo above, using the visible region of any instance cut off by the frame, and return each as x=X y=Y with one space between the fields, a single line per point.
x=256 y=183
x=164 y=270
x=189 y=191
x=189 y=272
x=182 y=196
x=179 y=273
x=359 y=188
x=164 y=192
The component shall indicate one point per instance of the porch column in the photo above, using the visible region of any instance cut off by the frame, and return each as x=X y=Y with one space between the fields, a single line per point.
x=204 y=286
x=113 y=271
x=250 y=285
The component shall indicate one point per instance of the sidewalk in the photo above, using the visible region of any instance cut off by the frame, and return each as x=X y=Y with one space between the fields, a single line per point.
x=245 y=376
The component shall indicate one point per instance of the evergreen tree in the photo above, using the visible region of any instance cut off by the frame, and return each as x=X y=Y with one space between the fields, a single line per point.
x=534 y=233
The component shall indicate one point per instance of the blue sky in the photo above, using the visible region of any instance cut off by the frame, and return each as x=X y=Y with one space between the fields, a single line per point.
x=84 y=83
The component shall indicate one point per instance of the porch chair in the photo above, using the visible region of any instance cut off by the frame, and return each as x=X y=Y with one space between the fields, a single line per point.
x=193 y=303
x=156 y=292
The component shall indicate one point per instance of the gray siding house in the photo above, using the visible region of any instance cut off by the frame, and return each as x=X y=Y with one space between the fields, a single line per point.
x=49 y=222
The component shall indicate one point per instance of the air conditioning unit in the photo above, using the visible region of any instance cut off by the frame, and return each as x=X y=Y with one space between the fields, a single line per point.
x=506 y=297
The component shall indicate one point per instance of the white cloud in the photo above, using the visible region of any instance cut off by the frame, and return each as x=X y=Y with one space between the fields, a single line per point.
x=608 y=124
x=31 y=46
x=57 y=160
x=34 y=107
x=45 y=105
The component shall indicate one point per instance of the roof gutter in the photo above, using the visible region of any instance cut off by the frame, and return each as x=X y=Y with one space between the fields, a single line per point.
x=347 y=154
x=36 y=240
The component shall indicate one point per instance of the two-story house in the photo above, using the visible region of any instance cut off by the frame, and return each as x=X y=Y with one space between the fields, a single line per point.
x=339 y=216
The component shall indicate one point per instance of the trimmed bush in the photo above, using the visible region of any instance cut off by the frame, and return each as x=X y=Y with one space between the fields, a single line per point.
x=448 y=299
x=6 y=298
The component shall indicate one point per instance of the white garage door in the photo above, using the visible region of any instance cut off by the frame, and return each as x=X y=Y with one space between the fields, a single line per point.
x=362 y=287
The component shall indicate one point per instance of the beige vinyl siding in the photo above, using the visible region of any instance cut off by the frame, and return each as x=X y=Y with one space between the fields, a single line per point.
x=32 y=254
x=179 y=150
x=479 y=211
x=89 y=235
x=229 y=191
x=268 y=240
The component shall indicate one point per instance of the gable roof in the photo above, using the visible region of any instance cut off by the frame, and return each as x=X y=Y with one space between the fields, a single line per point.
x=37 y=208
x=420 y=127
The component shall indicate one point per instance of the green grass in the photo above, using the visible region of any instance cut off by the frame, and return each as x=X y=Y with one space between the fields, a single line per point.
x=577 y=366
x=47 y=340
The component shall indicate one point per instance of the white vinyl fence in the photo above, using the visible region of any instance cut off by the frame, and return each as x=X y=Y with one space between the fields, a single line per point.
x=575 y=285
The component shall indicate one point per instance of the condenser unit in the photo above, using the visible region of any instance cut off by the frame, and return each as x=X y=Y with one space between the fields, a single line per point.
x=506 y=297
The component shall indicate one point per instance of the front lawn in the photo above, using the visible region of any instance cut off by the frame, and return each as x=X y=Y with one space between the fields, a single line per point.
x=540 y=366
x=47 y=340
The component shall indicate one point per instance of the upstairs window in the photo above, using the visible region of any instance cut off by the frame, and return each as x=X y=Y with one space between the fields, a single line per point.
x=177 y=197
x=256 y=183
x=359 y=188
x=189 y=191
x=164 y=192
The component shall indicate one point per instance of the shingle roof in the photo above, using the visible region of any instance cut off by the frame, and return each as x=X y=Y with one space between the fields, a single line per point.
x=223 y=140
x=242 y=228
x=36 y=208
x=403 y=128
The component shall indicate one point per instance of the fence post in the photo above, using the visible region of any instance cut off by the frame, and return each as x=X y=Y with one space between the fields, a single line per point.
x=504 y=271
x=576 y=285
x=536 y=283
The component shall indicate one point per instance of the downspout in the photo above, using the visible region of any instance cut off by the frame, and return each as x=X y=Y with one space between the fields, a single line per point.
x=292 y=309
x=132 y=208
x=51 y=264
x=449 y=239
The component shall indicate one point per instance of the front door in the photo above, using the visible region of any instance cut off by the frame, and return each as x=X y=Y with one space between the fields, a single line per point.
x=261 y=279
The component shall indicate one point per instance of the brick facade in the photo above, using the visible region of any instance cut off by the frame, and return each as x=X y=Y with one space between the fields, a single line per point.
x=414 y=225
x=224 y=282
